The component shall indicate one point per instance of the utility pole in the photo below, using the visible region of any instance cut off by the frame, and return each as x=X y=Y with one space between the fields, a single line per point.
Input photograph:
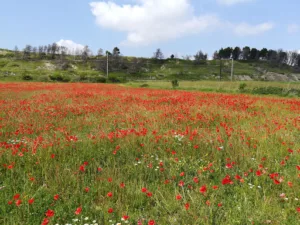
x=231 y=69
x=107 y=65
x=220 y=68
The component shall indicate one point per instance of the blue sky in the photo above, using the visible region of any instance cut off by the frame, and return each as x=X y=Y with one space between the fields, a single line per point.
x=138 y=27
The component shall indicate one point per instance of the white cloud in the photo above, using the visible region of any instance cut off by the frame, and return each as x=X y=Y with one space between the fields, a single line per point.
x=245 y=29
x=150 y=21
x=232 y=2
x=71 y=45
x=293 y=28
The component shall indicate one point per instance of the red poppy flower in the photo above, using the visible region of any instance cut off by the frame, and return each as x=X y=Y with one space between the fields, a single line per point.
x=110 y=210
x=45 y=221
x=18 y=202
x=215 y=187
x=258 y=173
x=149 y=194
x=109 y=194
x=78 y=210
x=178 y=197
x=125 y=217
x=122 y=185
x=144 y=189
x=203 y=189
x=82 y=168
x=298 y=167
x=87 y=189
x=195 y=179
x=298 y=209
x=276 y=181
x=16 y=196
x=49 y=213
x=187 y=206
x=181 y=183
x=237 y=177
x=56 y=197
x=10 y=202
x=181 y=174
x=30 y=201
x=226 y=180
x=151 y=222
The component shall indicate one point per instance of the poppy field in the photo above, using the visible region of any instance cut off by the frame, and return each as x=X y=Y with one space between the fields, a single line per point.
x=106 y=154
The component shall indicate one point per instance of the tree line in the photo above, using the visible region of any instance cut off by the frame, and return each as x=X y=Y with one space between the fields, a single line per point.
x=275 y=57
x=54 y=51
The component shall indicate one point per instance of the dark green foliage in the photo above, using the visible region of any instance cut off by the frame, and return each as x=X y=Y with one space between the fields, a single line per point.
x=175 y=83
x=242 y=87
x=144 y=85
x=27 y=77
x=97 y=79
x=275 y=91
x=114 y=79
x=56 y=77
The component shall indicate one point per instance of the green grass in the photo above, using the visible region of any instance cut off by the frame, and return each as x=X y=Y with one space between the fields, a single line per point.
x=54 y=138
x=215 y=86
x=163 y=70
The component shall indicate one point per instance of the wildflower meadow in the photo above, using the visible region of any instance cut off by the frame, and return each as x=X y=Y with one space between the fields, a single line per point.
x=107 y=154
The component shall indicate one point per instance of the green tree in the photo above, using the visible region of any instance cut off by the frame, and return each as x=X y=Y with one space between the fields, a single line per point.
x=236 y=53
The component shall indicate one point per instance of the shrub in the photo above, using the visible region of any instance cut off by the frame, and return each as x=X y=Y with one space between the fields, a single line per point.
x=44 y=78
x=114 y=79
x=242 y=87
x=56 y=77
x=66 y=79
x=27 y=77
x=144 y=85
x=268 y=91
x=175 y=83
x=97 y=79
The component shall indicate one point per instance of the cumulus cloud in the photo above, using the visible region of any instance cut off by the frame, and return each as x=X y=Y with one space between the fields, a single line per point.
x=293 y=28
x=149 y=21
x=245 y=29
x=232 y=2
x=71 y=45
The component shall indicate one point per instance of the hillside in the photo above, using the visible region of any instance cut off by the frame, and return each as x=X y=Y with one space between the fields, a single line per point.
x=129 y=68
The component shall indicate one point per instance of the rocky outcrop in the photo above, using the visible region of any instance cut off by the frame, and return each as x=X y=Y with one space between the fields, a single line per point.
x=270 y=76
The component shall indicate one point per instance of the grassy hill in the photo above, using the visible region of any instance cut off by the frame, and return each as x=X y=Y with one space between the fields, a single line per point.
x=129 y=68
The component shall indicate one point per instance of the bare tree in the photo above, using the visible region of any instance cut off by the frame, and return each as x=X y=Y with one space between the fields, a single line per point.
x=100 y=53
x=292 y=58
x=26 y=52
x=158 y=54
x=200 y=56
x=54 y=48
x=85 y=53
x=34 y=51
x=16 y=51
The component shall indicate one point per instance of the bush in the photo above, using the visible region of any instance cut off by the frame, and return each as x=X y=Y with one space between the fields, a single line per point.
x=44 y=78
x=242 y=87
x=268 y=91
x=144 y=85
x=97 y=79
x=175 y=83
x=66 y=79
x=114 y=79
x=56 y=77
x=59 y=77
x=27 y=77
